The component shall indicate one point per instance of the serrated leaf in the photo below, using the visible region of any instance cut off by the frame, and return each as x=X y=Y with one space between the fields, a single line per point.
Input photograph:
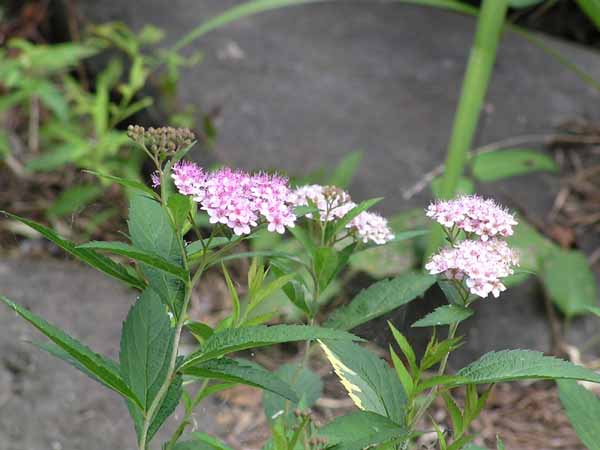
x=405 y=346
x=90 y=257
x=151 y=230
x=569 y=281
x=369 y=381
x=361 y=429
x=232 y=340
x=167 y=407
x=146 y=347
x=240 y=371
x=150 y=259
x=583 y=410
x=101 y=367
x=499 y=164
x=380 y=298
x=511 y=365
x=305 y=383
x=444 y=315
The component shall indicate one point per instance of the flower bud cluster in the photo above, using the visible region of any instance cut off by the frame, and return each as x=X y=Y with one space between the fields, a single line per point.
x=479 y=263
x=163 y=140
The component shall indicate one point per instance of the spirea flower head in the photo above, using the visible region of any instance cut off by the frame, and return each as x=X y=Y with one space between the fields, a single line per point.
x=236 y=198
x=334 y=203
x=481 y=264
x=473 y=214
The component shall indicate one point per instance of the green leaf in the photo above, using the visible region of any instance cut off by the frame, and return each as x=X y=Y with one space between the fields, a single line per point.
x=405 y=346
x=151 y=230
x=523 y=3
x=201 y=441
x=370 y=382
x=533 y=247
x=305 y=383
x=168 y=406
x=344 y=172
x=326 y=263
x=90 y=257
x=340 y=224
x=59 y=156
x=245 y=372
x=380 y=298
x=499 y=164
x=465 y=186
x=594 y=310
x=150 y=259
x=592 y=9
x=361 y=429
x=511 y=365
x=401 y=372
x=146 y=347
x=132 y=184
x=102 y=368
x=444 y=315
x=201 y=331
x=232 y=340
x=180 y=206
x=569 y=281
x=235 y=315
x=583 y=410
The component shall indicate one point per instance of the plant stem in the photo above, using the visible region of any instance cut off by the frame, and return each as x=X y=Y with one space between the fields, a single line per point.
x=474 y=88
x=162 y=392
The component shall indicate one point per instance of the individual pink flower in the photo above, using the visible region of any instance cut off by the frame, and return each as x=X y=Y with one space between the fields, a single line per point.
x=473 y=214
x=155 y=179
x=481 y=264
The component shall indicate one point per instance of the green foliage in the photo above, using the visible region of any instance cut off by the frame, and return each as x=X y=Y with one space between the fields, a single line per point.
x=146 y=347
x=74 y=198
x=147 y=258
x=101 y=367
x=233 y=340
x=511 y=365
x=583 y=410
x=444 y=315
x=569 y=281
x=245 y=372
x=362 y=429
x=499 y=164
x=592 y=9
x=307 y=384
x=151 y=230
x=380 y=298
x=90 y=257
x=370 y=382
x=344 y=172
x=201 y=441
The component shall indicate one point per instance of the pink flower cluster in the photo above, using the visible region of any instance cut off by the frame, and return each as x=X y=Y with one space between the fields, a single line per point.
x=334 y=203
x=473 y=214
x=236 y=198
x=481 y=264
